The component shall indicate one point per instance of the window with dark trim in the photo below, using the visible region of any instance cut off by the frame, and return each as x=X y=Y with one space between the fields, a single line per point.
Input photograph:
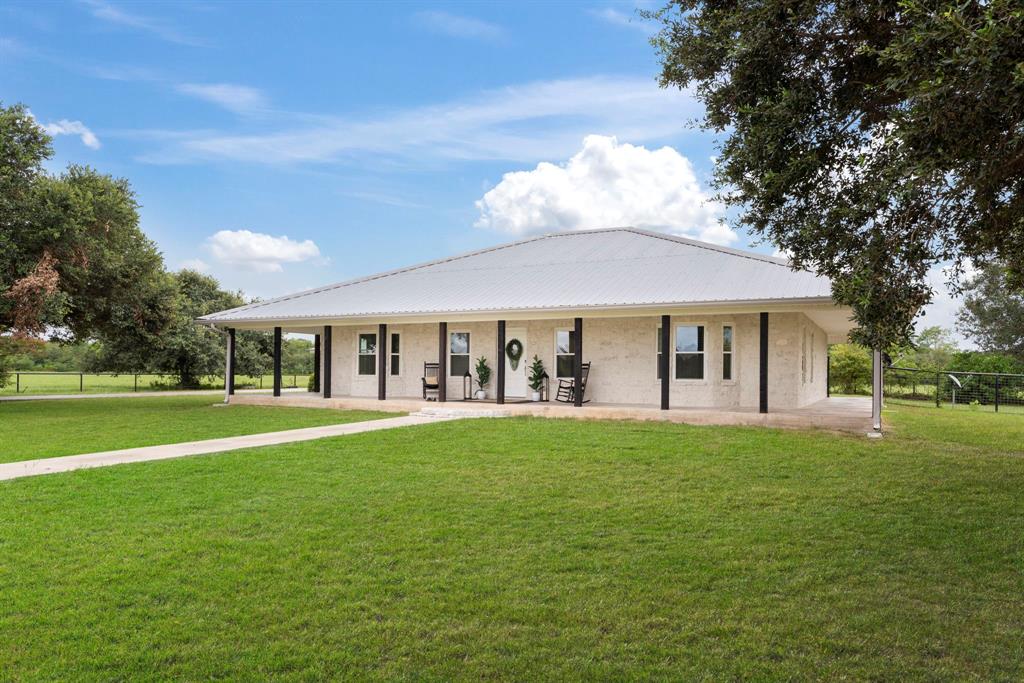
x=690 y=352
x=660 y=351
x=565 y=352
x=396 y=353
x=727 y=342
x=458 y=354
x=367 y=353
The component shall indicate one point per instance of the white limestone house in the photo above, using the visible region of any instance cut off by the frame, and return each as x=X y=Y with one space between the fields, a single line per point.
x=742 y=331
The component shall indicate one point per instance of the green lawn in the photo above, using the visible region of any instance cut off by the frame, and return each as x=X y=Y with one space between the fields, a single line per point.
x=71 y=383
x=44 y=429
x=531 y=549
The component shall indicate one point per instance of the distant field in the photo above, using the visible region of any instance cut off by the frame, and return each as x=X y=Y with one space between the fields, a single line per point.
x=71 y=383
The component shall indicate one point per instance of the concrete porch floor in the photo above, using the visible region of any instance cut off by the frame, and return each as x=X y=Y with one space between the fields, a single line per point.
x=847 y=414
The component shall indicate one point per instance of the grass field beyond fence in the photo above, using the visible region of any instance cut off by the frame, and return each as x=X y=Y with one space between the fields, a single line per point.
x=530 y=549
x=101 y=383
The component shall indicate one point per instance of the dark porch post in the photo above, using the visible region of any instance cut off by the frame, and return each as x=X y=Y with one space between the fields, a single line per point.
x=326 y=352
x=277 y=361
x=382 y=362
x=316 y=362
x=663 y=364
x=500 y=360
x=230 y=379
x=577 y=364
x=442 y=362
x=764 y=364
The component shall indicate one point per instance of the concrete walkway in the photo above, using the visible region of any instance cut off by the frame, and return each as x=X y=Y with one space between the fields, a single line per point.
x=31 y=468
x=145 y=394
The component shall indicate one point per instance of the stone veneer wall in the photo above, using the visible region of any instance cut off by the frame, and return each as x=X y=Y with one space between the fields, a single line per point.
x=622 y=352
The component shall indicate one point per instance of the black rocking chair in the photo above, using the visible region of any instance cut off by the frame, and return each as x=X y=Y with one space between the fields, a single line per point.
x=567 y=390
x=431 y=381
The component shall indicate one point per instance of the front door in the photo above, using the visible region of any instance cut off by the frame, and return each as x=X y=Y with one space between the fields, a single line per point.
x=516 y=362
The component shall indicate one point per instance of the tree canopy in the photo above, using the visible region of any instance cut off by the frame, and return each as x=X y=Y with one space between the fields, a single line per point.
x=870 y=139
x=992 y=313
x=73 y=261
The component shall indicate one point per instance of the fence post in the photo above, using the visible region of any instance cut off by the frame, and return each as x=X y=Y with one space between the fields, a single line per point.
x=81 y=382
x=136 y=381
x=938 y=379
x=997 y=393
x=17 y=382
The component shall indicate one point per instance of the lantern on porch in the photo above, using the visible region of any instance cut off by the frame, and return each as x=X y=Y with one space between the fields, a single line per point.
x=467 y=386
x=544 y=387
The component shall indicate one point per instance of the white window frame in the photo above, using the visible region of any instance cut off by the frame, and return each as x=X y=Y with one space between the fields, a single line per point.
x=732 y=353
x=812 y=357
x=468 y=354
x=376 y=350
x=803 y=354
x=394 y=369
x=556 y=354
x=657 y=361
x=704 y=353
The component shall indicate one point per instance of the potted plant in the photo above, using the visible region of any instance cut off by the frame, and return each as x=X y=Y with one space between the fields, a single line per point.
x=483 y=376
x=536 y=379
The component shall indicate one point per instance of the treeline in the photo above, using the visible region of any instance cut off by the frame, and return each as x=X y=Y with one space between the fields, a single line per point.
x=933 y=351
x=83 y=288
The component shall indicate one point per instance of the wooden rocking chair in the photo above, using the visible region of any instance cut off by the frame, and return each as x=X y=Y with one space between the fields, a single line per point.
x=567 y=392
x=431 y=381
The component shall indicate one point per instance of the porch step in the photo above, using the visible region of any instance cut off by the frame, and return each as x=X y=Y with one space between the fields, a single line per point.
x=462 y=412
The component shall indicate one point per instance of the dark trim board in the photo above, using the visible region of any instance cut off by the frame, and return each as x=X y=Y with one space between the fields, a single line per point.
x=327 y=362
x=577 y=363
x=763 y=380
x=442 y=362
x=316 y=363
x=277 y=361
x=500 y=370
x=231 y=361
x=664 y=365
x=382 y=362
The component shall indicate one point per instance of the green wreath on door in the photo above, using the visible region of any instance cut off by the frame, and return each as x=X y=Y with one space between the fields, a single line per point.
x=514 y=351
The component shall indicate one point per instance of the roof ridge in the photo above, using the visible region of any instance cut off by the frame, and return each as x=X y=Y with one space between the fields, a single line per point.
x=700 y=244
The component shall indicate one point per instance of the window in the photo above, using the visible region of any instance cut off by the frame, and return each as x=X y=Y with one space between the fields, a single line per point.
x=727 y=352
x=690 y=352
x=660 y=351
x=812 y=358
x=565 y=352
x=396 y=353
x=803 y=355
x=368 y=353
x=458 y=354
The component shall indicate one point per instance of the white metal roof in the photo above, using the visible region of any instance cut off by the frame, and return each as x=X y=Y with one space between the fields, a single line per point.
x=615 y=267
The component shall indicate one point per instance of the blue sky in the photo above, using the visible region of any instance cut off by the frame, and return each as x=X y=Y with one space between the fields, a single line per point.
x=284 y=146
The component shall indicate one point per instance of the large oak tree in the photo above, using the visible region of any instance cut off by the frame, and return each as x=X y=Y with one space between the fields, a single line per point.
x=871 y=139
x=74 y=264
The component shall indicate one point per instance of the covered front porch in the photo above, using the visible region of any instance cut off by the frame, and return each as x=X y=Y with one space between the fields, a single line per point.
x=845 y=414
x=728 y=366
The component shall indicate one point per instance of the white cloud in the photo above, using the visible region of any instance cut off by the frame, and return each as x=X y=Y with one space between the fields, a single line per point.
x=606 y=184
x=516 y=123
x=112 y=14
x=259 y=251
x=459 y=26
x=65 y=127
x=240 y=99
x=196 y=264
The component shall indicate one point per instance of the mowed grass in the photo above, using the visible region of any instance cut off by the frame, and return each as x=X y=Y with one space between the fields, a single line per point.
x=531 y=549
x=70 y=383
x=44 y=429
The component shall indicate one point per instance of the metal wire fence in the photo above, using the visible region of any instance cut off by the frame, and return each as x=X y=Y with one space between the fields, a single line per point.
x=988 y=391
x=44 y=382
